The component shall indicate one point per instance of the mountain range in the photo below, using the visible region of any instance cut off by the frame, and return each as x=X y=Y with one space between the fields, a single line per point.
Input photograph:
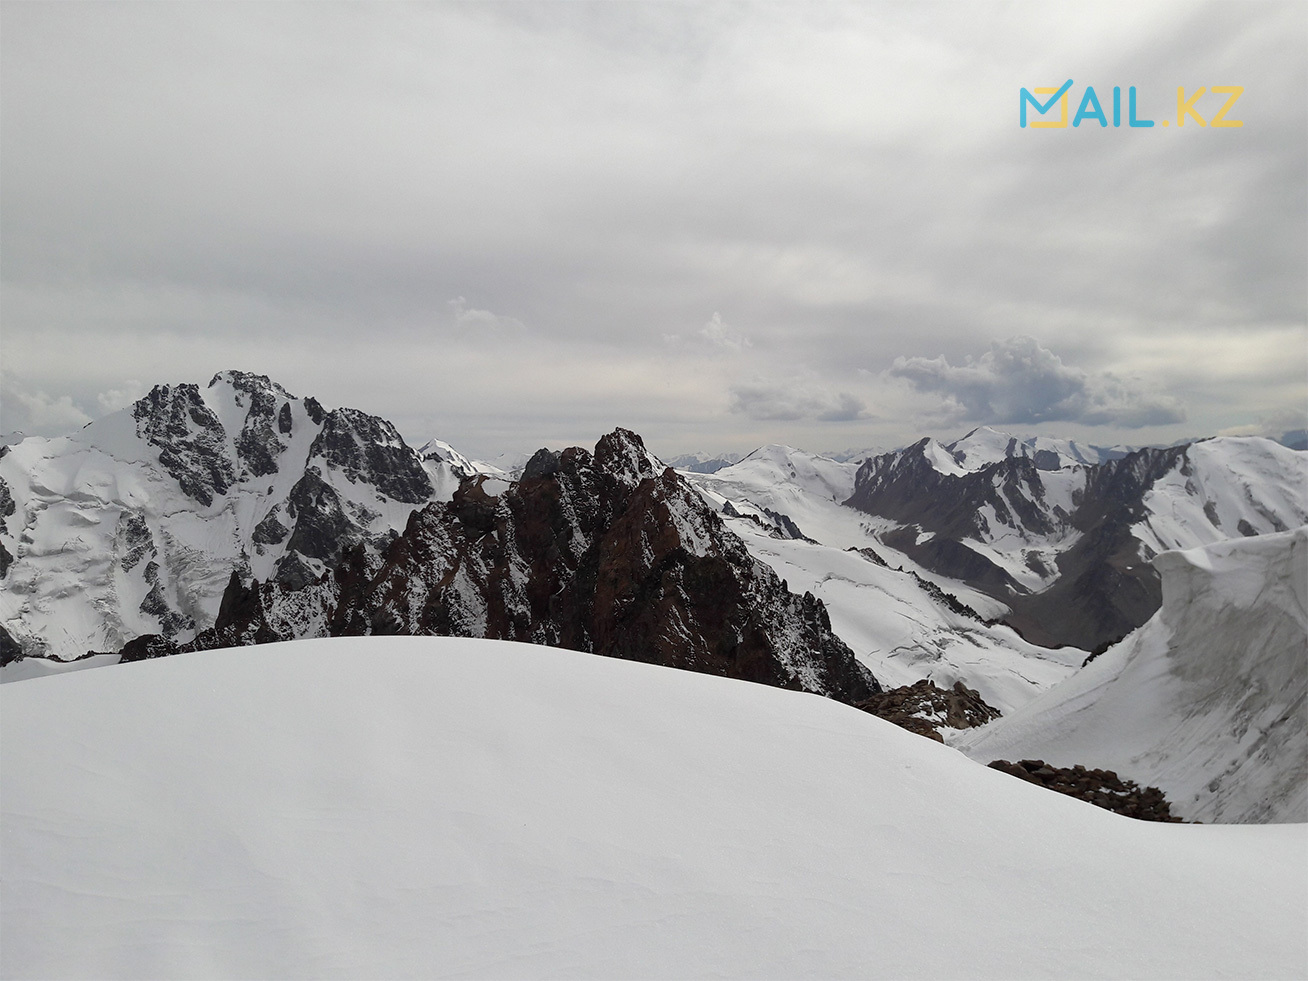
x=988 y=570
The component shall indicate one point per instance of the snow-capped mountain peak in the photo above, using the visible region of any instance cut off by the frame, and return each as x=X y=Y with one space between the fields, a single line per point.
x=134 y=523
x=984 y=446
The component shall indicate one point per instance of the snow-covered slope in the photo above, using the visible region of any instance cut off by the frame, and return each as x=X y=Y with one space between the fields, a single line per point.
x=805 y=487
x=984 y=446
x=1206 y=701
x=904 y=632
x=447 y=467
x=886 y=610
x=1057 y=547
x=1227 y=487
x=134 y=524
x=402 y=807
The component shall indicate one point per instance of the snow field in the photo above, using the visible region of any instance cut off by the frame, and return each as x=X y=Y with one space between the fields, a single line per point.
x=422 y=807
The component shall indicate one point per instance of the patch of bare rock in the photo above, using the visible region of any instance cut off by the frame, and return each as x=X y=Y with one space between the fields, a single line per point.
x=1103 y=788
x=923 y=707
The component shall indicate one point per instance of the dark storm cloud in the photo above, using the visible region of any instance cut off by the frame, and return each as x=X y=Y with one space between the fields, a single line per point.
x=1019 y=382
x=525 y=201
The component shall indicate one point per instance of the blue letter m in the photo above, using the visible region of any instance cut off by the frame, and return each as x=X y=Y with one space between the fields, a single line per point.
x=1041 y=107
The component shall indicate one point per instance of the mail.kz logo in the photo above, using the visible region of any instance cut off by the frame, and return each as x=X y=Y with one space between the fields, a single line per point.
x=1092 y=109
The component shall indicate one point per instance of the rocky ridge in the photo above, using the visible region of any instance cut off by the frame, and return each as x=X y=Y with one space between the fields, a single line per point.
x=594 y=552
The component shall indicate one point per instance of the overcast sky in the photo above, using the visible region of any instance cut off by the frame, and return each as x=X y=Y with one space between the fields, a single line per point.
x=515 y=225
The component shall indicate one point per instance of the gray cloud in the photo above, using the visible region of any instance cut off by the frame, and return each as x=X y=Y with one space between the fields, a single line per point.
x=26 y=411
x=192 y=187
x=1018 y=382
x=483 y=321
x=718 y=334
x=794 y=401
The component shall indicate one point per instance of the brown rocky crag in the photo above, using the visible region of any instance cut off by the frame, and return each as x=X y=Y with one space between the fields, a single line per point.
x=1103 y=788
x=602 y=553
x=924 y=708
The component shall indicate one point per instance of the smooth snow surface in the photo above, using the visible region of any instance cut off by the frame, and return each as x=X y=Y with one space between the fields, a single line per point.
x=418 y=807
x=1206 y=701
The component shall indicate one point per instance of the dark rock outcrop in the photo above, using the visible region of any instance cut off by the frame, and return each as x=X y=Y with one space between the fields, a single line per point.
x=368 y=449
x=6 y=509
x=270 y=531
x=190 y=439
x=924 y=708
x=10 y=650
x=1103 y=788
x=322 y=526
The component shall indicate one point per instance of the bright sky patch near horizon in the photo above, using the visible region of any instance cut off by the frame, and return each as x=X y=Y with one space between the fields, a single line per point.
x=514 y=225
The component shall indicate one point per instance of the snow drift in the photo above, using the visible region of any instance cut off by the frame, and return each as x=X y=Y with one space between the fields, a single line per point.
x=1206 y=701
x=419 y=807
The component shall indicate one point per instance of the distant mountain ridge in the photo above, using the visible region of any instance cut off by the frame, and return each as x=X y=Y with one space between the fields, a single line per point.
x=135 y=524
x=703 y=462
x=984 y=446
x=1066 y=547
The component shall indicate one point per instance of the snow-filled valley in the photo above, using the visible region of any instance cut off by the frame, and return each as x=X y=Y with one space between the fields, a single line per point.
x=879 y=599
x=437 y=807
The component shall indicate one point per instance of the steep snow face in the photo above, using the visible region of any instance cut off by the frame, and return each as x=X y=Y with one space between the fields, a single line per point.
x=1226 y=487
x=415 y=807
x=134 y=524
x=1206 y=701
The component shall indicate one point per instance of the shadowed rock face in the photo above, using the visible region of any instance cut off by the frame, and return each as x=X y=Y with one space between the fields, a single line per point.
x=369 y=449
x=190 y=439
x=1103 y=586
x=596 y=553
x=6 y=510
